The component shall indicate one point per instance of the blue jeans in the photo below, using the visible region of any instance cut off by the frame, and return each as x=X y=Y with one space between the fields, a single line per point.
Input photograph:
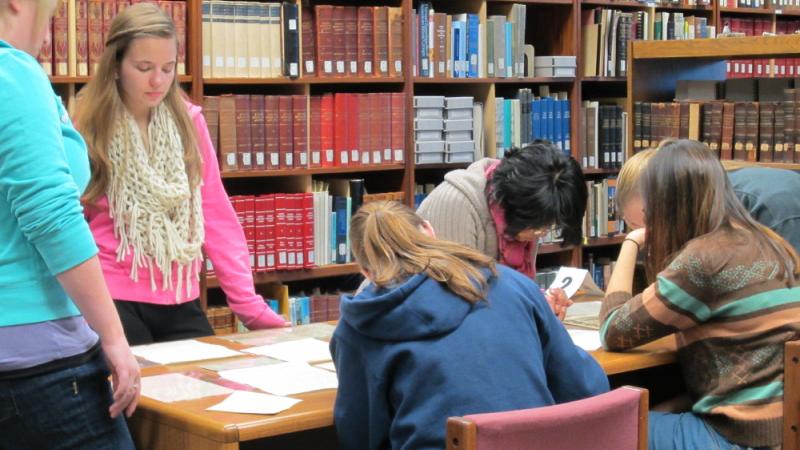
x=62 y=409
x=685 y=431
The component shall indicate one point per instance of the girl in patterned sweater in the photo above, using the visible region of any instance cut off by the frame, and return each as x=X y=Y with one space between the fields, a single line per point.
x=724 y=284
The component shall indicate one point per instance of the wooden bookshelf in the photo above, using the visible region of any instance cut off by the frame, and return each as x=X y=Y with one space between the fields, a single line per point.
x=593 y=171
x=604 y=241
x=312 y=171
x=719 y=49
x=302 y=81
x=603 y=79
x=511 y=80
x=285 y=276
x=548 y=249
x=748 y=11
x=442 y=166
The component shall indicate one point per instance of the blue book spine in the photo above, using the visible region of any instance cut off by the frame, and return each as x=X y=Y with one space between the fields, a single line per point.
x=274 y=305
x=557 y=133
x=456 y=48
x=549 y=131
x=509 y=54
x=332 y=238
x=424 y=39
x=536 y=118
x=293 y=311
x=347 y=229
x=566 y=128
x=305 y=311
x=472 y=44
x=340 y=206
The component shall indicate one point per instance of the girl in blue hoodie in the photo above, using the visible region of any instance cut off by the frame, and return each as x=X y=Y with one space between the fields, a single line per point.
x=441 y=331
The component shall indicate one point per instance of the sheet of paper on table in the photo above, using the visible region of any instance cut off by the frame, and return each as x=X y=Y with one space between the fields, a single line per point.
x=182 y=351
x=284 y=379
x=321 y=330
x=254 y=403
x=327 y=366
x=584 y=314
x=300 y=350
x=175 y=387
x=586 y=339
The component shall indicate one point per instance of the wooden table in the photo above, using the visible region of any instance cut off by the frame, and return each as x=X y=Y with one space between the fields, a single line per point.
x=187 y=425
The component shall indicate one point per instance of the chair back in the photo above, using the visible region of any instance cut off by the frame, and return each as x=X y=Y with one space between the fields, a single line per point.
x=616 y=420
x=791 y=395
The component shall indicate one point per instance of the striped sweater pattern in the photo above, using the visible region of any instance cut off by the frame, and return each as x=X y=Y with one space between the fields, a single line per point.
x=731 y=311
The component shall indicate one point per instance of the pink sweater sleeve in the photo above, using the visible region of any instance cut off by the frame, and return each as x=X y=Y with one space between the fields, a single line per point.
x=225 y=242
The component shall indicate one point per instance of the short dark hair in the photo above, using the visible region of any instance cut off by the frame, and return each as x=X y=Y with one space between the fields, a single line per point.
x=538 y=186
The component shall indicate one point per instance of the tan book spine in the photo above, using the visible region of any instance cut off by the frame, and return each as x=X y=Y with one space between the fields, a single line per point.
x=179 y=17
x=381 y=40
x=82 y=38
x=240 y=32
x=205 y=31
x=395 y=18
x=60 y=39
x=227 y=133
x=254 y=42
x=95 y=25
x=276 y=51
x=72 y=37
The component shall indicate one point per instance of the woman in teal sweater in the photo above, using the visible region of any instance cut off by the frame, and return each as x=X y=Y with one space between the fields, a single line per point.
x=60 y=335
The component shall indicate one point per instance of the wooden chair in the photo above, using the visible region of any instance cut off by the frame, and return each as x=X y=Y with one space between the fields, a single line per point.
x=791 y=396
x=616 y=420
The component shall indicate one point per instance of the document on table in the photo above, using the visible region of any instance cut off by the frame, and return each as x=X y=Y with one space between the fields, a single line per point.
x=300 y=350
x=175 y=387
x=327 y=366
x=254 y=403
x=182 y=351
x=584 y=314
x=586 y=339
x=284 y=379
x=321 y=330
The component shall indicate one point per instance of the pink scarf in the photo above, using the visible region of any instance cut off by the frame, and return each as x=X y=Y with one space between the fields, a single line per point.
x=511 y=252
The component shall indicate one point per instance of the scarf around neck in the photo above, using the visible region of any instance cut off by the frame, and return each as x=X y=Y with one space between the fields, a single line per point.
x=511 y=252
x=157 y=215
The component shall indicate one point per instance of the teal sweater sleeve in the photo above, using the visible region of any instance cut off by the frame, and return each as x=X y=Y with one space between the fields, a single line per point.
x=42 y=162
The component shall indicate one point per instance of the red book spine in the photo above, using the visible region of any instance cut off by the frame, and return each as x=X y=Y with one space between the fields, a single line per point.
x=243 y=141
x=270 y=239
x=280 y=232
x=333 y=307
x=179 y=17
x=351 y=40
x=364 y=143
x=375 y=126
x=315 y=134
x=352 y=129
x=300 y=129
x=298 y=224
x=96 y=43
x=366 y=53
x=271 y=131
x=261 y=234
x=342 y=156
x=286 y=144
x=308 y=230
x=257 y=130
x=109 y=11
x=324 y=38
x=82 y=37
x=60 y=26
x=327 y=135
x=291 y=231
x=308 y=41
x=250 y=227
x=381 y=40
x=338 y=39
x=398 y=126
x=386 y=122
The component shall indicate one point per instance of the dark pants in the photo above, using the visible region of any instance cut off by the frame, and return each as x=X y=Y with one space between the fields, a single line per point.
x=63 y=409
x=145 y=323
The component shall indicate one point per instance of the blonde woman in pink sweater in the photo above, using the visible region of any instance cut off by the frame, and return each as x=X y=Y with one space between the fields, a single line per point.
x=155 y=201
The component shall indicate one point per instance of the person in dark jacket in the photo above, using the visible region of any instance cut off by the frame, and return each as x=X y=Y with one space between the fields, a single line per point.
x=440 y=331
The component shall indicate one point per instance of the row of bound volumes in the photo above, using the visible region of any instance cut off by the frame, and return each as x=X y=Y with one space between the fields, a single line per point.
x=274 y=132
x=745 y=131
x=269 y=40
x=600 y=219
x=601 y=269
x=79 y=29
x=521 y=120
x=222 y=320
x=451 y=45
x=606 y=34
x=303 y=310
x=605 y=135
x=752 y=68
x=772 y=4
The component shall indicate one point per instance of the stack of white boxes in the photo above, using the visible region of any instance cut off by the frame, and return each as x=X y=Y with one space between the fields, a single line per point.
x=554 y=66
x=458 y=124
x=443 y=129
x=429 y=129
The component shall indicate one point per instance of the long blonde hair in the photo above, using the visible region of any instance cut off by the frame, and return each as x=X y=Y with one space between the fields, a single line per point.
x=100 y=105
x=388 y=242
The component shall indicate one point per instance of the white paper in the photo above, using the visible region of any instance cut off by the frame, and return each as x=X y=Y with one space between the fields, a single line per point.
x=581 y=309
x=569 y=279
x=284 y=379
x=300 y=350
x=586 y=339
x=182 y=351
x=254 y=403
x=175 y=387
x=327 y=366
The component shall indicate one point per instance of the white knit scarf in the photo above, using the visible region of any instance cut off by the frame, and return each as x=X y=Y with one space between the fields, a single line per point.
x=155 y=212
